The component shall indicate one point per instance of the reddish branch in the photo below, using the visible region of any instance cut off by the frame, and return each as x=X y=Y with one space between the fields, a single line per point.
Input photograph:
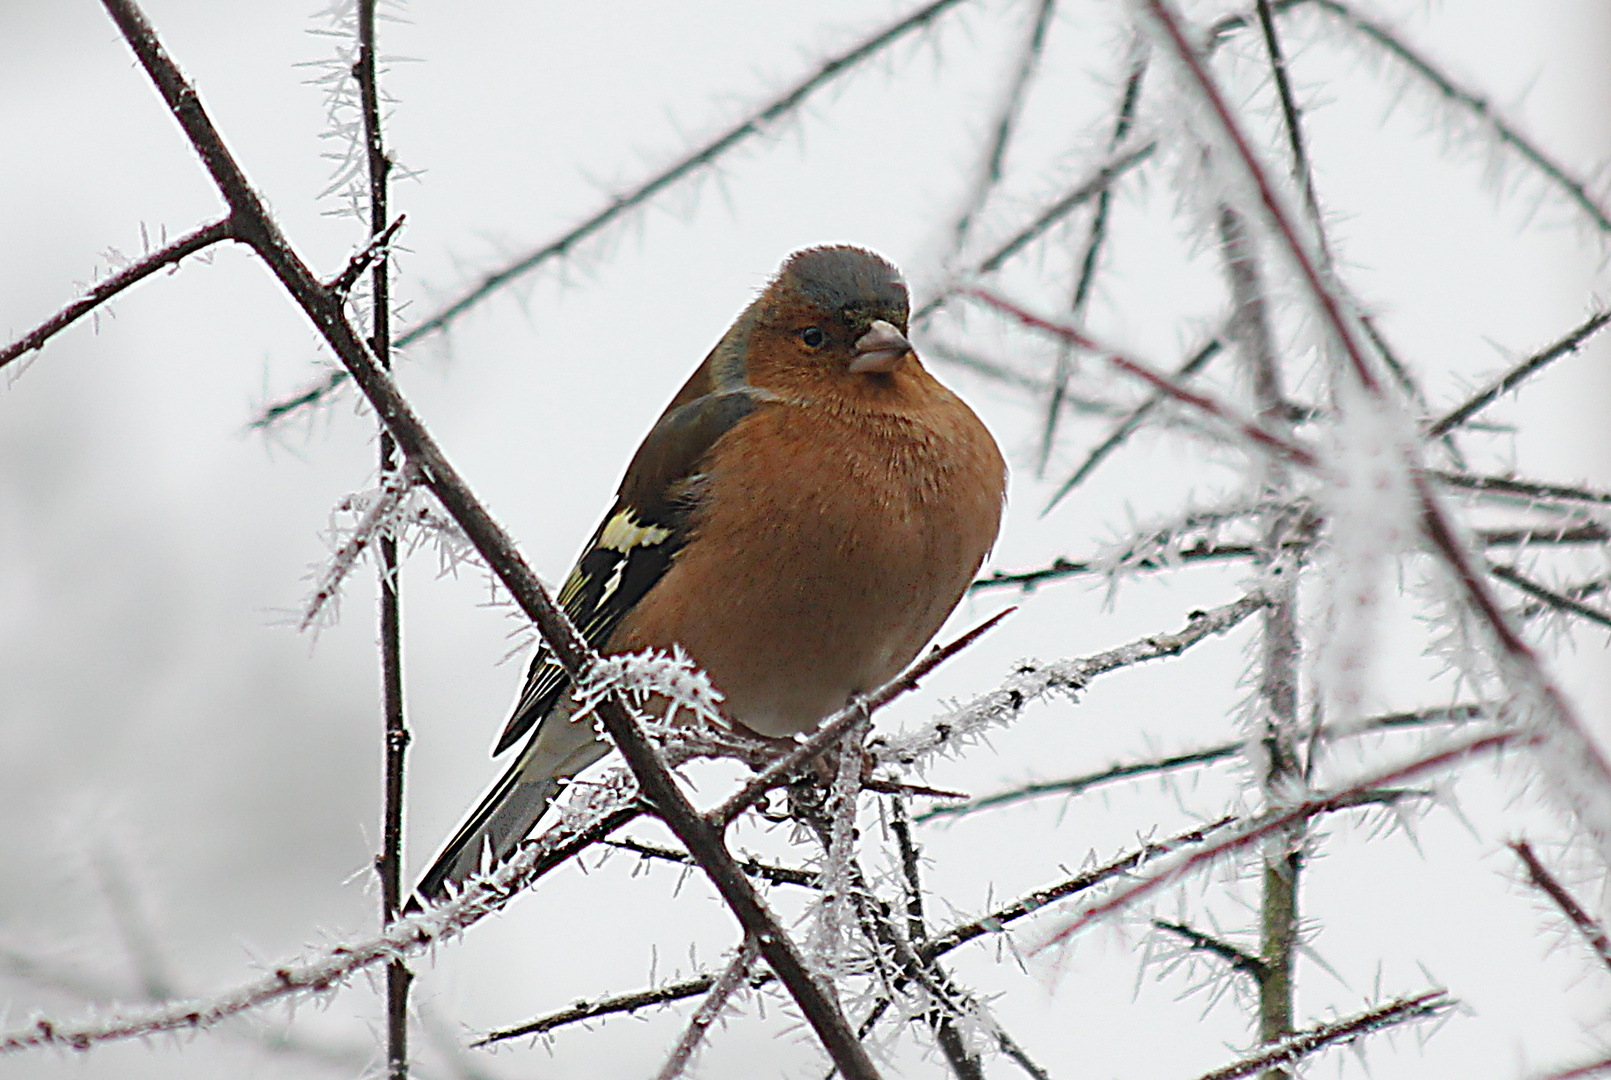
x=1586 y=924
x=189 y=244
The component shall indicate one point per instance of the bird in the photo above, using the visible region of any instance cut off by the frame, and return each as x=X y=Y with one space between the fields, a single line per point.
x=800 y=521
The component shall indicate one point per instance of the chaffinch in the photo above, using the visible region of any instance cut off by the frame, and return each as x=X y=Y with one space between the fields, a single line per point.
x=801 y=519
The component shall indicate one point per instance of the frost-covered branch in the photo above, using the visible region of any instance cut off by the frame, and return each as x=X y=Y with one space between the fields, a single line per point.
x=380 y=512
x=721 y=991
x=1593 y=933
x=1475 y=104
x=142 y=268
x=1078 y=785
x=1530 y=490
x=1032 y=681
x=1362 y=791
x=1518 y=374
x=1549 y=597
x=754 y=124
x=1301 y=1044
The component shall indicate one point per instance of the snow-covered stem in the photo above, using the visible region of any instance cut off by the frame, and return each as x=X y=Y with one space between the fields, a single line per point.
x=1248 y=430
x=609 y=808
x=1299 y=1045
x=1362 y=791
x=379 y=519
x=721 y=991
x=1584 y=923
x=1031 y=681
x=1518 y=373
x=1531 y=490
x=102 y=291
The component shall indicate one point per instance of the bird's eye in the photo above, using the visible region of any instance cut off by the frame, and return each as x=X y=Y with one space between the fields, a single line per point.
x=813 y=337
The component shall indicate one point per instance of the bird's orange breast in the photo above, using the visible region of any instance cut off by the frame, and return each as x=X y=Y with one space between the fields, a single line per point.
x=847 y=528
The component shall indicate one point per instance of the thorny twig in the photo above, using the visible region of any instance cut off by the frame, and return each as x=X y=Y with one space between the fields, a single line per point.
x=1593 y=933
x=1463 y=412
x=1301 y=1044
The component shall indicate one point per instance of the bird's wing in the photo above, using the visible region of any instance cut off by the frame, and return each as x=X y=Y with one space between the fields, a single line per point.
x=636 y=543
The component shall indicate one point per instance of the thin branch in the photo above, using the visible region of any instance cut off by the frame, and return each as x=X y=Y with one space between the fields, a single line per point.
x=831 y=729
x=1063 y=568
x=189 y=244
x=1515 y=376
x=1300 y=1045
x=1078 y=785
x=1198 y=941
x=721 y=991
x=753 y=125
x=1582 y=1072
x=379 y=247
x=767 y=872
x=1585 y=924
x=656 y=782
x=1546 y=535
x=1291 y=120
x=1194 y=363
x=1367 y=790
x=1549 y=596
x=1033 y=681
x=990 y=168
x=1249 y=430
x=1094 y=240
x=1380 y=35
x=1531 y=490
x=954 y=938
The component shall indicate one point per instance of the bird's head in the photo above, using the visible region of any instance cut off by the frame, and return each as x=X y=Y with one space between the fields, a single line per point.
x=832 y=312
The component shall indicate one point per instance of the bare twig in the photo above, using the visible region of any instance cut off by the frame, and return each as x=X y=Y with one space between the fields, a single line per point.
x=1544 y=534
x=1582 y=1072
x=1198 y=941
x=189 y=244
x=1532 y=490
x=767 y=872
x=1249 y=430
x=1463 y=412
x=1301 y=1044
x=1581 y=920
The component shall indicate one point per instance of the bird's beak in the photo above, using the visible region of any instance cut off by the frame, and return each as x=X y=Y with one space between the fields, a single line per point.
x=880 y=348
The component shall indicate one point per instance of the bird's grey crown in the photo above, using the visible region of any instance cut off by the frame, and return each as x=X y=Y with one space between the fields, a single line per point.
x=843 y=278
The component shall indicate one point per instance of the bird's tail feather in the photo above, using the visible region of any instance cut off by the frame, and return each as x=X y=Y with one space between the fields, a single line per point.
x=504 y=818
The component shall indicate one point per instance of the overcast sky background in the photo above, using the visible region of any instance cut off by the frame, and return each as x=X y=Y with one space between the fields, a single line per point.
x=158 y=718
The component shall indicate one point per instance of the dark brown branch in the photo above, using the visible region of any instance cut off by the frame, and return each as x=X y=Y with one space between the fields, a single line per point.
x=1518 y=374
x=610 y=1006
x=1529 y=489
x=1198 y=941
x=1547 y=535
x=1062 y=568
x=767 y=872
x=389 y=862
x=1301 y=1044
x=1549 y=596
x=721 y=991
x=655 y=781
x=1291 y=117
x=189 y=244
x=1581 y=920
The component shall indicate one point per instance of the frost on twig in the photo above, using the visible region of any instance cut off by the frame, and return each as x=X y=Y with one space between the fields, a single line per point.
x=379 y=513
x=963 y=725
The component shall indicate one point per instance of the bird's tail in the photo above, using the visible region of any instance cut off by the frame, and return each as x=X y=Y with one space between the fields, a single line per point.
x=512 y=808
